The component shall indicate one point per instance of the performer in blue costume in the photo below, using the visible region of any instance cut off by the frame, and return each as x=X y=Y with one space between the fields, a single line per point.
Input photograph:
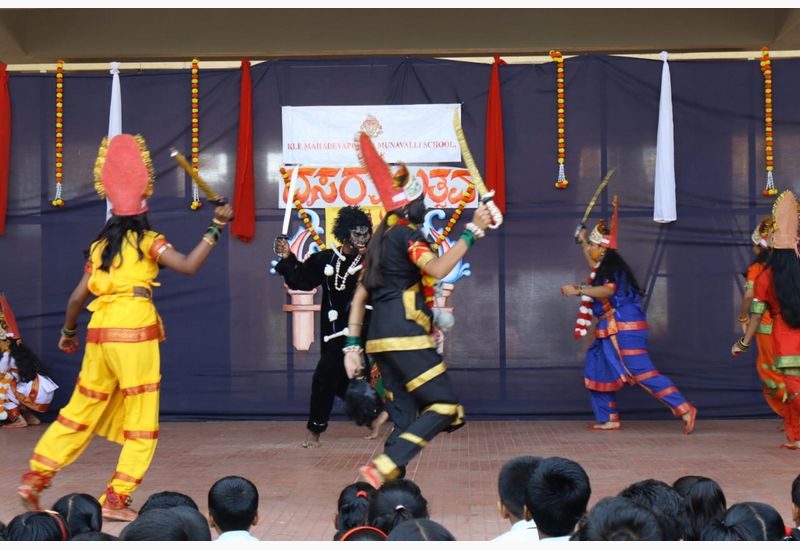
x=619 y=353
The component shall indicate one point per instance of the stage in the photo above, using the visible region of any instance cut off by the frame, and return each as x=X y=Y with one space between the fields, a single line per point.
x=457 y=472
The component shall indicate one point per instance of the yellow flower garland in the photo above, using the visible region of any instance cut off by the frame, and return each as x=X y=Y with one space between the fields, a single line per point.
x=58 y=201
x=766 y=68
x=196 y=204
x=561 y=182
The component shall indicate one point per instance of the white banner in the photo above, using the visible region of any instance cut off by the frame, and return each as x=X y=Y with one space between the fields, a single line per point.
x=444 y=187
x=325 y=135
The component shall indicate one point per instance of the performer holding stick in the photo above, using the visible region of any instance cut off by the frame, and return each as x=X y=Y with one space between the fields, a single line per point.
x=398 y=282
x=777 y=291
x=619 y=353
x=337 y=273
x=117 y=393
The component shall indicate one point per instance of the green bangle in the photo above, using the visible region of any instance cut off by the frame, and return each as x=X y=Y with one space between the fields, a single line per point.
x=67 y=333
x=352 y=341
x=468 y=237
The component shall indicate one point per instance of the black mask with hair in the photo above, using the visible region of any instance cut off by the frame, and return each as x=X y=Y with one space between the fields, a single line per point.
x=415 y=211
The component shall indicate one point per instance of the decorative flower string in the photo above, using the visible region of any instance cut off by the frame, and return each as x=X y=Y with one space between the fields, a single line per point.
x=196 y=204
x=302 y=211
x=561 y=182
x=766 y=68
x=58 y=201
x=456 y=215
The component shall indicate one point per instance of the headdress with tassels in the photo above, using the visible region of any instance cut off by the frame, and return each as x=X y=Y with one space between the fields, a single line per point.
x=761 y=234
x=8 y=324
x=395 y=191
x=784 y=211
x=123 y=172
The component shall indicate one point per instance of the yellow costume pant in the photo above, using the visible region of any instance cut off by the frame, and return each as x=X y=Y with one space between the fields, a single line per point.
x=116 y=396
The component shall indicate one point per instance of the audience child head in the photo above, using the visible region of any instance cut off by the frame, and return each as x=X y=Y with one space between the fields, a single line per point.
x=665 y=503
x=81 y=512
x=169 y=524
x=396 y=501
x=94 y=536
x=352 y=507
x=704 y=501
x=753 y=521
x=37 y=526
x=167 y=499
x=619 y=519
x=556 y=496
x=233 y=504
x=511 y=484
x=796 y=501
x=363 y=533
x=420 y=530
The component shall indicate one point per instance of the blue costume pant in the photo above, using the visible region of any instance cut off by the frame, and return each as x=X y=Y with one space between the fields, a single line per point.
x=613 y=361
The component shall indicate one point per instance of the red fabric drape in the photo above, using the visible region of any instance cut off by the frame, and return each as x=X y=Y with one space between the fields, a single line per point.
x=5 y=144
x=244 y=193
x=495 y=151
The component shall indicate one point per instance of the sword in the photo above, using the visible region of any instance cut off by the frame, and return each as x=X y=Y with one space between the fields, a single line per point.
x=219 y=200
x=288 y=208
x=485 y=195
x=592 y=202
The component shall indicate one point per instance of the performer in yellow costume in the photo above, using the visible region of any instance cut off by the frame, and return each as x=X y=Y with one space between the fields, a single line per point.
x=117 y=392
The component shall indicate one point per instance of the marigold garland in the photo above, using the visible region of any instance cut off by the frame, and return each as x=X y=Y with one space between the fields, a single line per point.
x=561 y=182
x=456 y=215
x=766 y=68
x=58 y=201
x=196 y=204
x=302 y=211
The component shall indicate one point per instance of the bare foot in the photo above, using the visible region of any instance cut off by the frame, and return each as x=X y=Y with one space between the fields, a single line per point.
x=607 y=426
x=376 y=425
x=31 y=418
x=311 y=442
x=18 y=422
x=792 y=446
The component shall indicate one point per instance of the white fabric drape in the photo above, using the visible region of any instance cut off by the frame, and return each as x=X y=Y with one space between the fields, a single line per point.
x=664 y=208
x=114 y=113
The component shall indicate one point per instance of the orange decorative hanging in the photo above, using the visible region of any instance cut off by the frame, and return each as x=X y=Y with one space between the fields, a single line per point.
x=58 y=201
x=456 y=215
x=287 y=180
x=196 y=204
x=561 y=182
x=766 y=68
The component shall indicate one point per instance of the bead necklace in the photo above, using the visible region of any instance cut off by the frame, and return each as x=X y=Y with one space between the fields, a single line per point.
x=340 y=281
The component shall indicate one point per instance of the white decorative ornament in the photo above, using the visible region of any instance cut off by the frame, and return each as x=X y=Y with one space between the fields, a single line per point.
x=328 y=270
x=332 y=315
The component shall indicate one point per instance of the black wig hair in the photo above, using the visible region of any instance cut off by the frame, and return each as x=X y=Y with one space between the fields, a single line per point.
x=786 y=277
x=348 y=219
x=610 y=269
x=28 y=364
x=114 y=232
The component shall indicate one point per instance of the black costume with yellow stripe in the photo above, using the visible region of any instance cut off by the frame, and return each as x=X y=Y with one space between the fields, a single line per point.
x=399 y=339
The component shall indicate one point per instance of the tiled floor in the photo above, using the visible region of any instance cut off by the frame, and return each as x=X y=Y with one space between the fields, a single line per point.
x=457 y=472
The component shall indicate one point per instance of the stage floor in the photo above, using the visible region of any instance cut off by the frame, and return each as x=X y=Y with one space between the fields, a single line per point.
x=457 y=472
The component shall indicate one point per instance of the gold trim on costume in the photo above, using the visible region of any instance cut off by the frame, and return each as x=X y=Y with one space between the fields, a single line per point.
x=386 y=466
x=144 y=388
x=415 y=439
x=400 y=343
x=49 y=462
x=425 y=377
x=124 y=335
x=147 y=162
x=410 y=307
x=125 y=477
x=98 y=168
x=140 y=434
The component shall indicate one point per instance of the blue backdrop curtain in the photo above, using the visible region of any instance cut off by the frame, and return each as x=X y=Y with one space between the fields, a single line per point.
x=512 y=354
